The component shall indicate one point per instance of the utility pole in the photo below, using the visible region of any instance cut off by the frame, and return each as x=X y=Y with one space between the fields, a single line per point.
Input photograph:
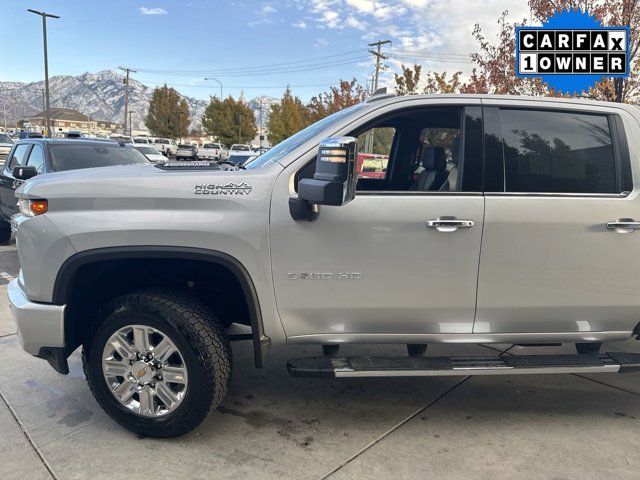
x=46 y=65
x=126 y=98
x=260 y=137
x=15 y=113
x=368 y=142
x=379 y=56
x=130 y=129
x=44 y=102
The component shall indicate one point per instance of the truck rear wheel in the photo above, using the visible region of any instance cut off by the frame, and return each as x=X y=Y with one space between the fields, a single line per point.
x=158 y=362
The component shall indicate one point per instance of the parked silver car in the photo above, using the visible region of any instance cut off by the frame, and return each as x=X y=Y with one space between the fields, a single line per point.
x=5 y=147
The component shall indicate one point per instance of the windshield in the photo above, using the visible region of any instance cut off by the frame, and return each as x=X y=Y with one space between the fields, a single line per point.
x=283 y=148
x=187 y=147
x=5 y=138
x=162 y=141
x=238 y=159
x=241 y=148
x=140 y=140
x=75 y=156
x=210 y=145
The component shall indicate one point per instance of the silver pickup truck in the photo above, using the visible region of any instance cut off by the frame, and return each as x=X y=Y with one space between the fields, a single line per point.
x=487 y=219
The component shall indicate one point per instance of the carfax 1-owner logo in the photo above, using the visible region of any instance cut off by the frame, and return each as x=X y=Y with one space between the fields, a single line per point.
x=572 y=51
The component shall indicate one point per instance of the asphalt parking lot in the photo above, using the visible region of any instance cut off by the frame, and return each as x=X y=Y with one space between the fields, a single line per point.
x=273 y=426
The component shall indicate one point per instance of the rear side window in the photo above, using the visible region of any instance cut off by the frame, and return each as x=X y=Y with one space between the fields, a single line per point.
x=558 y=152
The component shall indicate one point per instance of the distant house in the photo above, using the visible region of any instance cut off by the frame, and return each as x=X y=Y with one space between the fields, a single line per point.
x=64 y=120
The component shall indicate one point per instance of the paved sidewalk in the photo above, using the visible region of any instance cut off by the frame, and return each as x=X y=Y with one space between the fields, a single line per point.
x=273 y=426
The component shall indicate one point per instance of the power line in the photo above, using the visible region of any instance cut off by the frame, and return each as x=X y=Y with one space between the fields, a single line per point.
x=235 y=86
x=432 y=59
x=251 y=71
x=310 y=61
x=431 y=53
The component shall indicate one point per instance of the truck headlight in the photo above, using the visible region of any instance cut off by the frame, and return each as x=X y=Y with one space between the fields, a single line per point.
x=32 y=207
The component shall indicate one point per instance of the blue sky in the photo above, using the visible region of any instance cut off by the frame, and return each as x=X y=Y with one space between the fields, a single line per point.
x=242 y=43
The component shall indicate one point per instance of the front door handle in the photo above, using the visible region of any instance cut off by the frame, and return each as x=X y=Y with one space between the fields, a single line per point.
x=624 y=225
x=449 y=224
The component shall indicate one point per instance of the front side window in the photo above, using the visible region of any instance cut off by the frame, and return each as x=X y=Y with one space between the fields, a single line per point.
x=557 y=152
x=19 y=156
x=415 y=150
x=374 y=149
x=36 y=158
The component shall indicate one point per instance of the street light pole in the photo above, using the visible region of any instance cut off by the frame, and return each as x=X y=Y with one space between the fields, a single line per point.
x=215 y=79
x=46 y=65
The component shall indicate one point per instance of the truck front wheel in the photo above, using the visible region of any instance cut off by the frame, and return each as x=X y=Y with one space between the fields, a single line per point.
x=158 y=362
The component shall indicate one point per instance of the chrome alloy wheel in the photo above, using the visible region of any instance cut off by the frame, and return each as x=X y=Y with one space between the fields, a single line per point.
x=144 y=370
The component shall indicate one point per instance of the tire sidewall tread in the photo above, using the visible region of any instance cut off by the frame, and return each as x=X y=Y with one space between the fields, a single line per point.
x=198 y=335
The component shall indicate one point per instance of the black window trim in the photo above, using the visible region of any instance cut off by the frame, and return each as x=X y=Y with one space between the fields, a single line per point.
x=620 y=152
x=9 y=164
x=43 y=148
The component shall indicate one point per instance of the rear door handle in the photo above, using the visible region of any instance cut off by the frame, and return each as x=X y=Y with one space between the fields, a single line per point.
x=449 y=224
x=624 y=225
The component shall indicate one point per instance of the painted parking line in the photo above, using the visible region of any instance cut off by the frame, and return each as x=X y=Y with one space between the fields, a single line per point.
x=5 y=278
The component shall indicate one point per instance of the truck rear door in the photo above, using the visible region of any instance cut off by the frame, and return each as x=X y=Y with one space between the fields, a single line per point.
x=559 y=252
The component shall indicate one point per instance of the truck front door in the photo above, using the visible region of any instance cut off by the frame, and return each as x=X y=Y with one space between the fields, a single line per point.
x=401 y=259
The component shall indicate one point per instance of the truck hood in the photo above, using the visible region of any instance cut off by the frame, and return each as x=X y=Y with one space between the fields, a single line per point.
x=144 y=181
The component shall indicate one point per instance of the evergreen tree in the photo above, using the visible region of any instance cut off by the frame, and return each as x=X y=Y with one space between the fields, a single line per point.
x=230 y=121
x=168 y=114
x=287 y=117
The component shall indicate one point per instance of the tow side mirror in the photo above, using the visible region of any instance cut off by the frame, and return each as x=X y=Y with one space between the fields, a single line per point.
x=334 y=181
x=25 y=172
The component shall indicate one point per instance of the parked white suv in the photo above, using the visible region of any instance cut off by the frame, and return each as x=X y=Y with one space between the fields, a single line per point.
x=481 y=219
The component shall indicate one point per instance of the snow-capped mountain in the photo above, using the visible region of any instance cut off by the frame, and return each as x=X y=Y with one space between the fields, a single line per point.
x=99 y=95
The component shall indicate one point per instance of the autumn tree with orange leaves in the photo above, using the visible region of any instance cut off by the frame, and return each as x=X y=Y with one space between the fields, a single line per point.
x=494 y=70
x=344 y=95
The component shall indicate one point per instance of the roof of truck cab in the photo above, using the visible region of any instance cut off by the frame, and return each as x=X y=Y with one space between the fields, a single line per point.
x=68 y=141
x=387 y=99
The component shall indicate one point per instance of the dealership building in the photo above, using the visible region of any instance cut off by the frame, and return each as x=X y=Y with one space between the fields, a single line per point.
x=64 y=120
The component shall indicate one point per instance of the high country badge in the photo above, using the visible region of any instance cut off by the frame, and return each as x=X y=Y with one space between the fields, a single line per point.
x=228 y=189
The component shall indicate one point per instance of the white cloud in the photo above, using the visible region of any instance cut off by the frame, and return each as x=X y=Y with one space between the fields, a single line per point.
x=353 y=22
x=364 y=6
x=330 y=18
x=262 y=21
x=268 y=9
x=439 y=32
x=300 y=24
x=152 y=11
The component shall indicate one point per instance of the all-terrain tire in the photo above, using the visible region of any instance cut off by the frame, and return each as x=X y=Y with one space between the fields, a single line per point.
x=199 y=337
